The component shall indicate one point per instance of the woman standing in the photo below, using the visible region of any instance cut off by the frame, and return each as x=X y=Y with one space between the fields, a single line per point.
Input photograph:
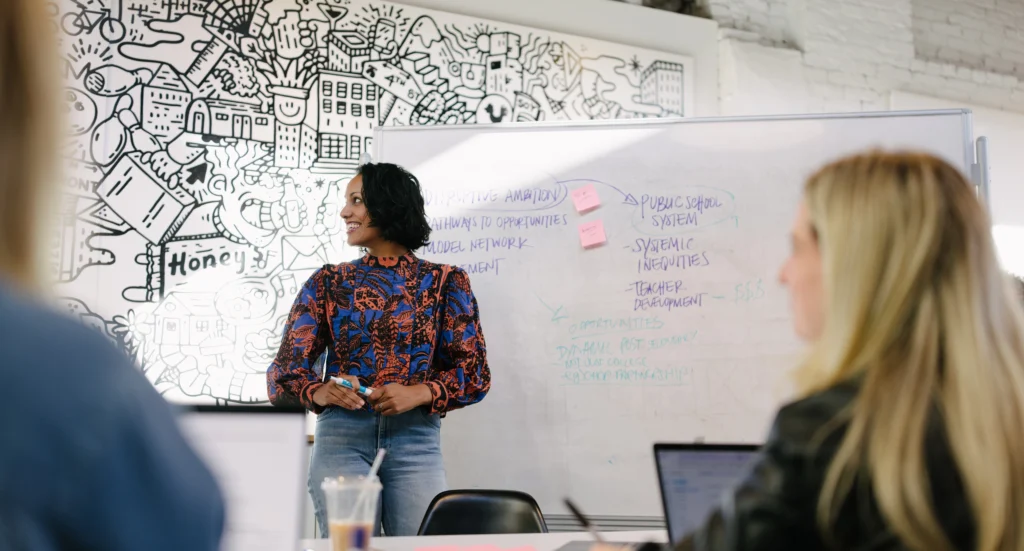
x=405 y=327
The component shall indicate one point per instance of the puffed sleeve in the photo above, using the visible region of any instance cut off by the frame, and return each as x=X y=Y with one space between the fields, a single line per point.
x=291 y=376
x=460 y=375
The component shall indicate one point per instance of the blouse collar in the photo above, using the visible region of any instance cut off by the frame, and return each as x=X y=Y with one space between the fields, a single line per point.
x=393 y=262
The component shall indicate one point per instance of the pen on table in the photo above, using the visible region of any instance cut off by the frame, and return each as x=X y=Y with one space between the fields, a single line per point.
x=344 y=382
x=583 y=520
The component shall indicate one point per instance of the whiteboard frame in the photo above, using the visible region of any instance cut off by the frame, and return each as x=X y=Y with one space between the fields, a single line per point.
x=982 y=172
x=970 y=160
x=965 y=124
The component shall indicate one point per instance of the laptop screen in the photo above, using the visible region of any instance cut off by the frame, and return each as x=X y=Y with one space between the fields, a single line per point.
x=258 y=456
x=693 y=479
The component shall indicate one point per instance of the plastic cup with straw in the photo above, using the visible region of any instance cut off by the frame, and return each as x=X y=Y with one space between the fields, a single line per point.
x=352 y=508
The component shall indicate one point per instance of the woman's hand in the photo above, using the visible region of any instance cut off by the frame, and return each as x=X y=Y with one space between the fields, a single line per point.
x=334 y=394
x=396 y=398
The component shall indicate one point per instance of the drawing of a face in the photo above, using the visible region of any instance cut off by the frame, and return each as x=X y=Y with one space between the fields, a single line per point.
x=290 y=109
x=241 y=205
x=80 y=111
x=247 y=302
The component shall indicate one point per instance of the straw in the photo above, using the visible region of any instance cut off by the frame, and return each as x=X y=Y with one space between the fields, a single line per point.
x=369 y=480
x=376 y=464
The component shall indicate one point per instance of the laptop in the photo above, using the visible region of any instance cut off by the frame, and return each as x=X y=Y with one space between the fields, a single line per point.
x=693 y=478
x=258 y=456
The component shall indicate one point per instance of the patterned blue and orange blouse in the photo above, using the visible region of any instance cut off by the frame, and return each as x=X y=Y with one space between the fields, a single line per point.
x=384 y=320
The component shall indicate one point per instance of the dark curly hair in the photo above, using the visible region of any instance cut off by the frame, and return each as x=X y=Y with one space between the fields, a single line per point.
x=393 y=198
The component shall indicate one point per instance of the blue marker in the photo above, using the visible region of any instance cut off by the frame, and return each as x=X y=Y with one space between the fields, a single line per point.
x=344 y=382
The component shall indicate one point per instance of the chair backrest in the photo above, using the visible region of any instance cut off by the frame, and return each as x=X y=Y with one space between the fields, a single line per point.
x=465 y=512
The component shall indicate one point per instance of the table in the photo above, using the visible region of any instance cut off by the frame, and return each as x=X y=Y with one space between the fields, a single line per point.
x=540 y=542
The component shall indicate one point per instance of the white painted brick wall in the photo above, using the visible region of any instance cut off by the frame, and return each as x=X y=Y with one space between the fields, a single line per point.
x=856 y=52
x=766 y=18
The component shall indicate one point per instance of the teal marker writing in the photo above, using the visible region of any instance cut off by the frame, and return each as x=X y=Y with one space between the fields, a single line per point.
x=344 y=382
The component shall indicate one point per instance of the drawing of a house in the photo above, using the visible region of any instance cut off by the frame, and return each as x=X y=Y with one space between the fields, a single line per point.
x=190 y=319
x=165 y=101
x=230 y=119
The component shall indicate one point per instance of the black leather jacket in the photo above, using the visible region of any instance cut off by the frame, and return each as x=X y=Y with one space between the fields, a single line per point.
x=774 y=507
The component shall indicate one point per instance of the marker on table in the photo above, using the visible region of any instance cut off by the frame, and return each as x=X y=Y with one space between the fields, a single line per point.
x=344 y=382
x=583 y=520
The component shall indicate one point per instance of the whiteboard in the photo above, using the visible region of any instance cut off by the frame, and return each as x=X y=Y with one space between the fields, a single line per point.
x=675 y=329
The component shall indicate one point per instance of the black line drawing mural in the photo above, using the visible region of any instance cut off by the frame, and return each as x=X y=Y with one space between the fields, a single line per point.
x=210 y=141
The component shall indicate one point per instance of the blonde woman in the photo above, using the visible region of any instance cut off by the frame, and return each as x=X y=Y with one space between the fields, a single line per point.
x=91 y=457
x=909 y=432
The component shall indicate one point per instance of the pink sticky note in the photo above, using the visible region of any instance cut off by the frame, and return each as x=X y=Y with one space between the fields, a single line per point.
x=592 y=234
x=586 y=198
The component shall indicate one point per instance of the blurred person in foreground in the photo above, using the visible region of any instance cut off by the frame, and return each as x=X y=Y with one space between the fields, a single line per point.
x=908 y=432
x=91 y=455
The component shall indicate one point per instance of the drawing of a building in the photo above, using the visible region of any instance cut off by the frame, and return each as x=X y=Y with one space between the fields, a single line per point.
x=347 y=51
x=348 y=113
x=504 y=76
x=504 y=70
x=165 y=102
x=294 y=146
x=661 y=84
x=297 y=123
x=229 y=119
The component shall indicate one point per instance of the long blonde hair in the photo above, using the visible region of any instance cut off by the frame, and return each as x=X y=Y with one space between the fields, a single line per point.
x=919 y=310
x=29 y=136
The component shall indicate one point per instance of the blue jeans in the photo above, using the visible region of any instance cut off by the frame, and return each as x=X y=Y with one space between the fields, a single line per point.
x=345 y=444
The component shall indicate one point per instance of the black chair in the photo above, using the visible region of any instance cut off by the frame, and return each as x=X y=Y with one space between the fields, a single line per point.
x=467 y=512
